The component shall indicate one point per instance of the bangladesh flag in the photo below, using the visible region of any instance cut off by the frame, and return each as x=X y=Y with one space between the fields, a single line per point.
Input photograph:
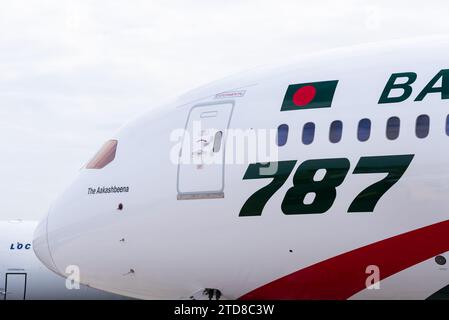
x=309 y=95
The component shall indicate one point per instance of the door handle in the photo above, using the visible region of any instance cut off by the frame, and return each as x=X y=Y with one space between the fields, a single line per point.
x=204 y=142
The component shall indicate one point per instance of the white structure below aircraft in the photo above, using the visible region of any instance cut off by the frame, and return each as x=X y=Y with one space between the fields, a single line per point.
x=24 y=277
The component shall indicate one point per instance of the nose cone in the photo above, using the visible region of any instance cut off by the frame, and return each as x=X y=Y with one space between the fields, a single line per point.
x=41 y=248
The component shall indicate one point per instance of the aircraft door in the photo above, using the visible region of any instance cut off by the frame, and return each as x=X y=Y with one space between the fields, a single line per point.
x=15 y=286
x=201 y=160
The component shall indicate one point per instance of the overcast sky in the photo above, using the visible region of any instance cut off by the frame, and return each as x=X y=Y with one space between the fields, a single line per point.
x=71 y=72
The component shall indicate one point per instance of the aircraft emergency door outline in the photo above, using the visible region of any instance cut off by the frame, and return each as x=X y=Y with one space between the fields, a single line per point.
x=202 y=157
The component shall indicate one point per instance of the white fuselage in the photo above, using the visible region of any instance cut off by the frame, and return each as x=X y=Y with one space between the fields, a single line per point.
x=182 y=228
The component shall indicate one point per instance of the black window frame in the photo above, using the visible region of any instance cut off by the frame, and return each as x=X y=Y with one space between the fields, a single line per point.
x=284 y=135
x=366 y=130
x=393 y=130
x=308 y=127
x=422 y=129
x=336 y=131
x=447 y=125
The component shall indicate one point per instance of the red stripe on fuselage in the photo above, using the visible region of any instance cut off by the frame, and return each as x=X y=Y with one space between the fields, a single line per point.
x=344 y=275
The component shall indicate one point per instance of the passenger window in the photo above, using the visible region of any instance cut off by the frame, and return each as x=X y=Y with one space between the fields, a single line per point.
x=282 y=135
x=308 y=133
x=393 y=127
x=217 y=141
x=447 y=125
x=103 y=157
x=422 y=126
x=364 y=130
x=335 y=131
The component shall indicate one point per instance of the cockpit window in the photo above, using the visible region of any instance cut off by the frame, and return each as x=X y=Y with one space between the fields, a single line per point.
x=103 y=157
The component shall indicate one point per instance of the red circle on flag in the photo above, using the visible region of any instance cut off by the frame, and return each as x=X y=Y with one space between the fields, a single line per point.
x=303 y=96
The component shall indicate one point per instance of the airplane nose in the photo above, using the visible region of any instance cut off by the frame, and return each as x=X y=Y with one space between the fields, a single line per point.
x=41 y=247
